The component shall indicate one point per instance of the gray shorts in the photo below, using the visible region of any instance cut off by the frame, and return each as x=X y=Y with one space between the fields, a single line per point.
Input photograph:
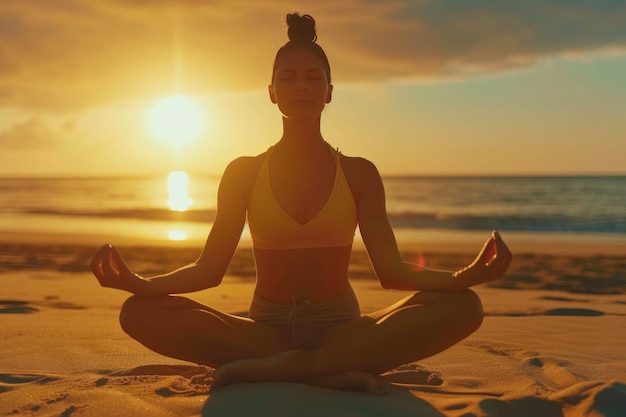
x=302 y=319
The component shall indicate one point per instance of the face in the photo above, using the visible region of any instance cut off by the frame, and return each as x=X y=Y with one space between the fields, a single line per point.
x=300 y=86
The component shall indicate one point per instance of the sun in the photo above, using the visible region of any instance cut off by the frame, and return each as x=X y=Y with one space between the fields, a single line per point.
x=177 y=120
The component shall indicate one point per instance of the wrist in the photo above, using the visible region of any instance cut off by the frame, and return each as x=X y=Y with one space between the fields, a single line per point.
x=460 y=278
x=139 y=285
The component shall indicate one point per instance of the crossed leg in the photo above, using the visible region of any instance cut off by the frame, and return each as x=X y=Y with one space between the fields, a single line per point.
x=349 y=356
x=416 y=327
x=185 y=329
x=181 y=328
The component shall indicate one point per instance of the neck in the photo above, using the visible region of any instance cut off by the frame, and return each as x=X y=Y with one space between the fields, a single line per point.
x=301 y=135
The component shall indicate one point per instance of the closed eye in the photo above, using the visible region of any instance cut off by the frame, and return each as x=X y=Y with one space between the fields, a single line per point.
x=315 y=74
x=286 y=75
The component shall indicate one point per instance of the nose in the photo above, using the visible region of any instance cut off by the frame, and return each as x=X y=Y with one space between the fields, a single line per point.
x=301 y=85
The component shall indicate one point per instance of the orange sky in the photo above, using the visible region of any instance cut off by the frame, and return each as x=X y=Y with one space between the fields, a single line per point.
x=420 y=87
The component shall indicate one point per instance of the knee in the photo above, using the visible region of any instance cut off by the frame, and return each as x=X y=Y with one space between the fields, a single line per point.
x=461 y=307
x=469 y=307
x=134 y=313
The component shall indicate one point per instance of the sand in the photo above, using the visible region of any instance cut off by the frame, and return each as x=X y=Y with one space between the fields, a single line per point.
x=552 y=343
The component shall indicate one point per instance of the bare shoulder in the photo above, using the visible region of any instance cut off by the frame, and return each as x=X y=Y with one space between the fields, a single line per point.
x=360 y=172
x=239 y=176
x=244 y=164
x=242 y=170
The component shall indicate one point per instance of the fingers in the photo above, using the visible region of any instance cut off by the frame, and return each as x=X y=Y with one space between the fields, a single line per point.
x=108 y=263
x=488 y=252
x=491 y=252
x=105 y=265
x=96 y=263
x=112 y=263
x=118 y=263
x=502 y=256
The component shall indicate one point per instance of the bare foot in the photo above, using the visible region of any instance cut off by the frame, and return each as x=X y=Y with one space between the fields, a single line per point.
x=285 y=366
x=351 y=381
x=292 y=366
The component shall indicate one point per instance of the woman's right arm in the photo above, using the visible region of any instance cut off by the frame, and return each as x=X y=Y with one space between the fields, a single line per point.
x=208 y=271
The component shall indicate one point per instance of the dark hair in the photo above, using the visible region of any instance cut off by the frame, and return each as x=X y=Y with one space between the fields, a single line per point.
x=301 y=33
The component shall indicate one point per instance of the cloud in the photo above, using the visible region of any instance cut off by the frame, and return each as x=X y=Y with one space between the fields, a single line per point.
x=35 y=133
x=69 y=54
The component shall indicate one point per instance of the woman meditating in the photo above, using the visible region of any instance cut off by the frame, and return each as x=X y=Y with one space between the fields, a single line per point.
x=303 y=201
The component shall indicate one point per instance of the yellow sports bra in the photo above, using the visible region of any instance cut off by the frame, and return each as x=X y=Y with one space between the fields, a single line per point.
x=271 y=228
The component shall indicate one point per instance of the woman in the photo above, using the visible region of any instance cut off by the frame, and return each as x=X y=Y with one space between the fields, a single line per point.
x=303 y=201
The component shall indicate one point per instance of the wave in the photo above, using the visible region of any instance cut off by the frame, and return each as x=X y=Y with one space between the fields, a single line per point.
x=532 y=223
x=413 y=220
x=195 y=216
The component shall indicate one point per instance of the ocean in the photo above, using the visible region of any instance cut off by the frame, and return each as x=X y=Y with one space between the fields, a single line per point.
x=181 y=207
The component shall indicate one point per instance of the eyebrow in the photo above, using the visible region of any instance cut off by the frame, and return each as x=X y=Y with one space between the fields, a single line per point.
x=293 y=70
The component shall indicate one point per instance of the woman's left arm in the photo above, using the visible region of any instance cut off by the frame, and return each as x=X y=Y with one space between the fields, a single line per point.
x=490 y=264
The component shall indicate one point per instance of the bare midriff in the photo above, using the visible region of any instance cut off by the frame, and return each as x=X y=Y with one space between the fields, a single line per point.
x=316 y=274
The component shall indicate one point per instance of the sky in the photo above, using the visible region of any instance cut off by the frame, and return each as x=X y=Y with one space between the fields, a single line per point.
x=472 y=87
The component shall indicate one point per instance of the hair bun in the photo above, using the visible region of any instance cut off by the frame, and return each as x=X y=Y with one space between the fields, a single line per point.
x=301 y=28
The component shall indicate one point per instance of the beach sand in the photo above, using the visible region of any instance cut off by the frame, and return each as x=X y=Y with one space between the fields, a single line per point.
x=551 y=345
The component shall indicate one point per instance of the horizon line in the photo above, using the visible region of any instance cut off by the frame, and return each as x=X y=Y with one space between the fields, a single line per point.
x=138 y=175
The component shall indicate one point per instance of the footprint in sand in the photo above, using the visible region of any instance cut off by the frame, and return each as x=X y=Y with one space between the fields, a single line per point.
x=24 y=307
x=167 y=380
x=12 y=381
x=555 y=373
x=565 y=299
x=583 y=398
x=54 y=301
x=16 y=307
x=545 y=371
x=594 y=398
x=15 y=381
x=67 y=305
x=571 y=312
x=413 y=374
x=586 y=312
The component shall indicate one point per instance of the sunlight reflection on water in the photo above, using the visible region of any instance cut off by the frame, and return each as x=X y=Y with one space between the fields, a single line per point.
x=178 y=191
x=179 y=200
x=177 y=234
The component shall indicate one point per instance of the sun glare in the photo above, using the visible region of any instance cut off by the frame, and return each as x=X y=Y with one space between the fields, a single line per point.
x=178 y=190
x=177 y=234
x=177 y=120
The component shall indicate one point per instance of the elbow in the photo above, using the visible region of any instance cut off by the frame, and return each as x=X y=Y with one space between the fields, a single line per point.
x=396 y=278
x=392 y=282
x=213 y=281
x=385 y=284
x=210 y=275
